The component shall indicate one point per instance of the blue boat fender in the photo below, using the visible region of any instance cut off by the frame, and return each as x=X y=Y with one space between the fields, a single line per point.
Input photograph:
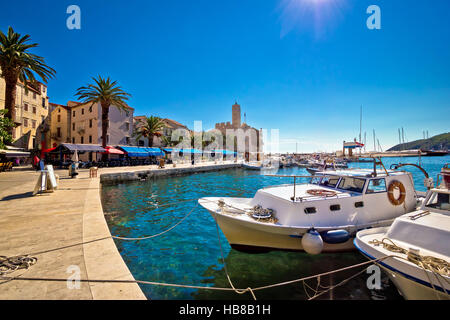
x=335 y=236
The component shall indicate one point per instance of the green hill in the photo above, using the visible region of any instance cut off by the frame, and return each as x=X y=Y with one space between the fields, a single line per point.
x=441 y=141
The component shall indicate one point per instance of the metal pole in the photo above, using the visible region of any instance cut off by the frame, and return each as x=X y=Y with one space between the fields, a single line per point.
x=294 y=189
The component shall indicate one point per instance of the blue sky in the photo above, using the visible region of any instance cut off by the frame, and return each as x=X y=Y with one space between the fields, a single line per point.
x=301 y=66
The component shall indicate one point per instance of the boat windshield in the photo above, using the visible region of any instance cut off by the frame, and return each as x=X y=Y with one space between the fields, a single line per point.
x=329 y=181
x=439 y=201
x=315 y=180
x=352 y=184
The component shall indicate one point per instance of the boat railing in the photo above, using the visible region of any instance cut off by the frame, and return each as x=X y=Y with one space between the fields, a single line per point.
x=295 y=179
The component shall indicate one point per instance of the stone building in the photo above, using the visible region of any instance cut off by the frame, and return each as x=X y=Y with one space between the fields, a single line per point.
x=59 y=124
x=32 y=110
x=169 y=127
x=248 y=139
x=86 y=124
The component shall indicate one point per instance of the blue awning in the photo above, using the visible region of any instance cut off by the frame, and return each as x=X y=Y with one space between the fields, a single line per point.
x=155 y=152
x=224 y=152
x=135 y=151
x=170 y=150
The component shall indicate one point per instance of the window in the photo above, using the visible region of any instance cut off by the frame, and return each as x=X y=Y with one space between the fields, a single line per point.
x=25 y=107
x=34 y=110
x=43 y=102
x=352 y=184
x=310 y=210
x=335 y=207
x=90 y=109
x=90 y=139
x=59 y=118
x=73 y=113
x=58 y=132
x=359 y=204
x=73 y=140
x=376 y=185
x=329 y=182
x=127 y=126
x=82 y=110
x=33 y=124
x=42 y=119
x=90 y=123
x=82 y=139
x=34 y=95
x=25 y=122
x=439 y=201
x=73 y=126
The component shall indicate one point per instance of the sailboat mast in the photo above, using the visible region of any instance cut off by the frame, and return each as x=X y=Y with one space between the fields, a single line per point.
x=360 y=127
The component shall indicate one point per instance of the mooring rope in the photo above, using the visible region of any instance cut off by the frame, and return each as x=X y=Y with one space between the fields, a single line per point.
x=435 y=265
x=238 y=291
x=161 y=233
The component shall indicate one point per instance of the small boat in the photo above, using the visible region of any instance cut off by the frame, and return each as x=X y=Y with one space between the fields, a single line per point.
x=322 y=215
x=415 y=249
x=257 y=166
x=435 y=153
x=328 y=167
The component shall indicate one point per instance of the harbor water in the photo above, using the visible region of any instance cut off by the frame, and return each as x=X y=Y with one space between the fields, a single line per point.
x=190 y=253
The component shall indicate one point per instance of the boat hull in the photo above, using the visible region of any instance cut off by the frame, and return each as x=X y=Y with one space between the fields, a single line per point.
x=411 y=281
x=250 y=237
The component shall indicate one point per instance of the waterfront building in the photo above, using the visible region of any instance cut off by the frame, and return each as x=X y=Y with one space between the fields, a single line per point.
x=86 y=124
x=251 y=137
x=169 y=127
x=31 y=116
x=59 y=124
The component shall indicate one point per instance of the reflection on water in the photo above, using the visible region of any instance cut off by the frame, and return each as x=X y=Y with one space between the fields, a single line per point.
x=190 y=253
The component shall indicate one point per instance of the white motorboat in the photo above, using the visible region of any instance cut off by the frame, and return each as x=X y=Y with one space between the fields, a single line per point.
x=414 y=250
x=322 y=215
x=258 y=166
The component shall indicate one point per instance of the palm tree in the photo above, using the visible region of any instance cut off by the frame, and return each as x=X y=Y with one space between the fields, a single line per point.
x=149 y=128
x=107 y=93
x=16 y=63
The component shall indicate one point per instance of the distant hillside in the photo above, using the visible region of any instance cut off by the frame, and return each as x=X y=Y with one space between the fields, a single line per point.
x=441 y=141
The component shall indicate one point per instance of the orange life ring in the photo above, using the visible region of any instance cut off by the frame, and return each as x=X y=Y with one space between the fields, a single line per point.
x=321 y=192
x=394 y=185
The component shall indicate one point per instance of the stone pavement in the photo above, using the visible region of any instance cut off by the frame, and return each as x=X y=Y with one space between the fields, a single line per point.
x=59 y=228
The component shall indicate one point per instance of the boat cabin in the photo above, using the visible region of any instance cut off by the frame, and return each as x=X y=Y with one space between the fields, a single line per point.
x=341 y=197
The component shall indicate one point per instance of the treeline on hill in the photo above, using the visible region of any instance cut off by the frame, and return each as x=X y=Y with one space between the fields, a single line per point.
x=439 y=142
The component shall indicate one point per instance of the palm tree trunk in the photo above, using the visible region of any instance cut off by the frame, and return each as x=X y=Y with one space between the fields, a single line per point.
x=150 y=140
x=10 y=97
x=105 y=116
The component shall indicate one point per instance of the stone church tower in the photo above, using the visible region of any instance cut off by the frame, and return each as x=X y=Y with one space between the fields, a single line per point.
x=236 y=119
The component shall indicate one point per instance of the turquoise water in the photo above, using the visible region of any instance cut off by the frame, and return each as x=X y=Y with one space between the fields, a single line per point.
x=190 y=253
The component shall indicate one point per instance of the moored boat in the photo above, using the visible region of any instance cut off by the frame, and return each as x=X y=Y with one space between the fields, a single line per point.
x=258 y=166
x=322 y=215
x=414 y=251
